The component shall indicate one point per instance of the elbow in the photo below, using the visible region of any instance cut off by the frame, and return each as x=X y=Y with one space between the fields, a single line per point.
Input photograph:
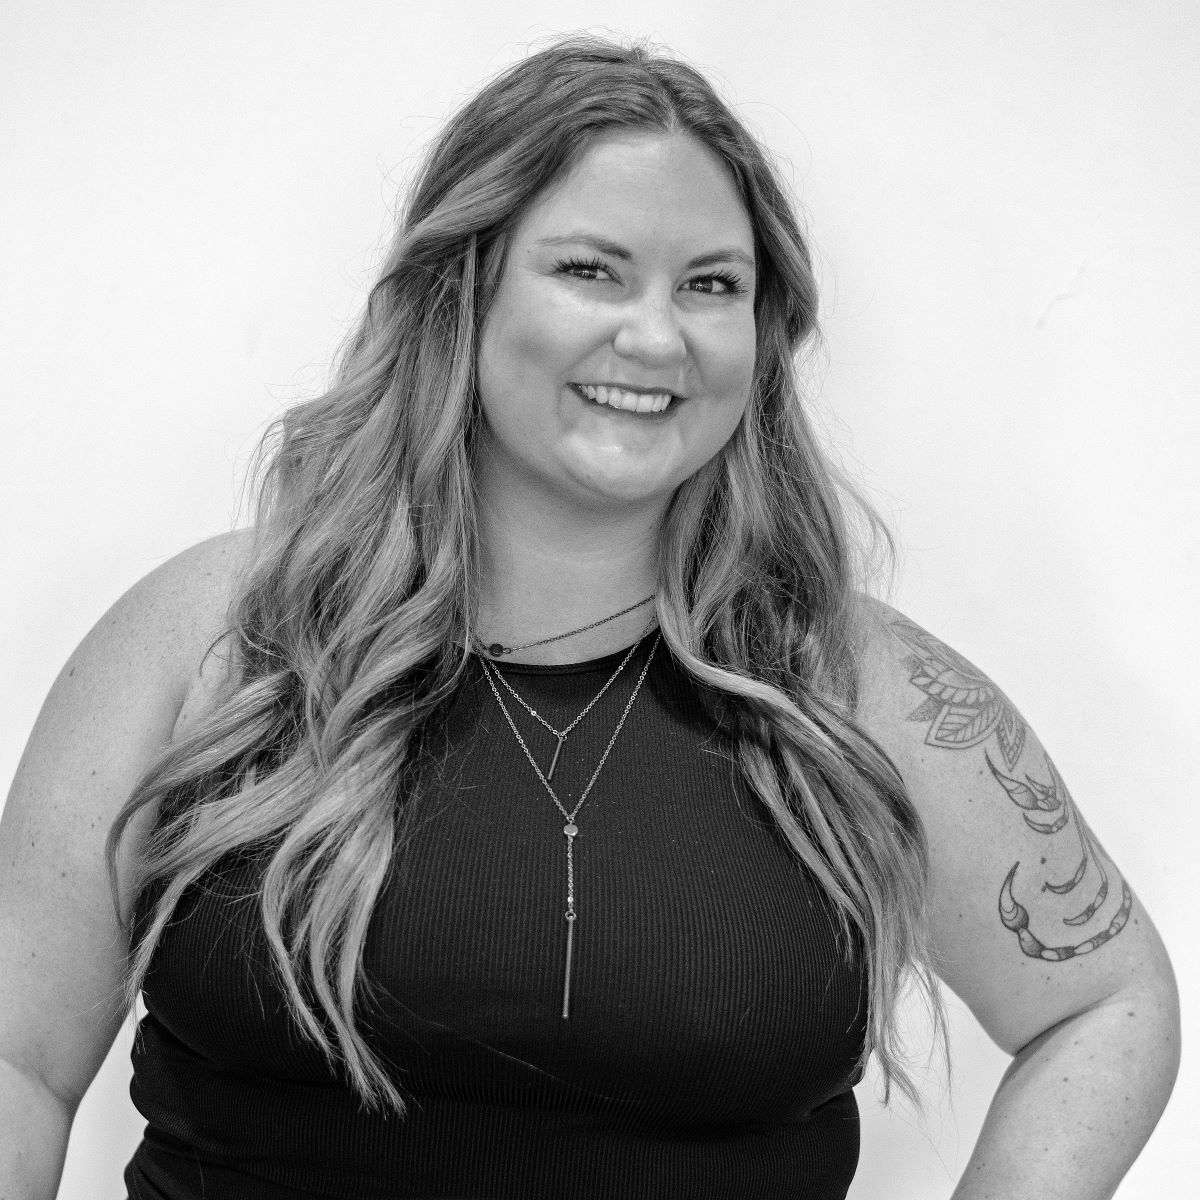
x=1172 y=1025
x=1148 y=1011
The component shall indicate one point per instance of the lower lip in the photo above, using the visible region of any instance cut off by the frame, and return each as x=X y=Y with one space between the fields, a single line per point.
x=625 y=412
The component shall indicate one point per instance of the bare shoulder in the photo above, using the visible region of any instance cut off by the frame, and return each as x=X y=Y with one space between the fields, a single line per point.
x=115 y=702
x=917 y=693
x=146 y=654
x=188 y=600
x=1031 y=917
x=184 y=602
x=111 y=712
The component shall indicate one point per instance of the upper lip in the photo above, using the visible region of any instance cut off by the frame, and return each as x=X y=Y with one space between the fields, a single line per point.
x=637 y=389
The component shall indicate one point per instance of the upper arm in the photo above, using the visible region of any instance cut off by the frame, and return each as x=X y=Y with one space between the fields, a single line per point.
x=1031 y=920
x=110 y=712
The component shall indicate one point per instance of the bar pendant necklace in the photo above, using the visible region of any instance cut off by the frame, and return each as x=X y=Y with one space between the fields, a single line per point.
x=560 y=735
x=554 y=758
x=570 y=829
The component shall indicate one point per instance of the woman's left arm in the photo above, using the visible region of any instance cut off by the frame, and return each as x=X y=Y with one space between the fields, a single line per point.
x=1033 y=926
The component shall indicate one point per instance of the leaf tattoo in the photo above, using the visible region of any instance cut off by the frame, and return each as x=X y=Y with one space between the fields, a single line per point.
x=1037 y=798
x=964 y=708
x=1047 y=808
x=962 y=705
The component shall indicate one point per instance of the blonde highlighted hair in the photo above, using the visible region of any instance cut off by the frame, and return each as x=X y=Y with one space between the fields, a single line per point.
x=351 y=630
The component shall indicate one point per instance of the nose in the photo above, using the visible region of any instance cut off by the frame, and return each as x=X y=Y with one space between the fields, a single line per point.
x=651 y=331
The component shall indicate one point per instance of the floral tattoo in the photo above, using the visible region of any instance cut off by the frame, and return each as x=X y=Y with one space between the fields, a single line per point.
x=964 y=708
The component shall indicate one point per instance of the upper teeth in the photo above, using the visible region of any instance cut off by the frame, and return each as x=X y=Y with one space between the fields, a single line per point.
x=630 y=401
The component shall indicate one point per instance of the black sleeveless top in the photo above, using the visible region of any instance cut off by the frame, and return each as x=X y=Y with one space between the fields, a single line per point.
x=716 y=1015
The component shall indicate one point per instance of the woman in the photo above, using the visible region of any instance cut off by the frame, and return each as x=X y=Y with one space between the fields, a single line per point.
x=531 y=805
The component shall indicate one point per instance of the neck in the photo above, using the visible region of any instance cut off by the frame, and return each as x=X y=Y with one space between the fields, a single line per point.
x=547 y=573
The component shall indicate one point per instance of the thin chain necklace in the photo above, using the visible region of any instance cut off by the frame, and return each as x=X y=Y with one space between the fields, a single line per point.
x=570 y=829
x=561 y=734
x=498 y=649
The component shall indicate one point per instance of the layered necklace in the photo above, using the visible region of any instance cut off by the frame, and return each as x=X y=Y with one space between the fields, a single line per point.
x=571 y=828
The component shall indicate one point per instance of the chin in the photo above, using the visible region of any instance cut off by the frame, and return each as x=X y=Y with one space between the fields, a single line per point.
x=626 y=488
x=610 y=496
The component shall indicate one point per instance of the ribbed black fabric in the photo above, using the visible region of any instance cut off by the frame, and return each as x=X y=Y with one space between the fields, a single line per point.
x=715 y=1022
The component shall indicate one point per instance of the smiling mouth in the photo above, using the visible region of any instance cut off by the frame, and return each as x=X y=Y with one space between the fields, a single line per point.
x=625 y=401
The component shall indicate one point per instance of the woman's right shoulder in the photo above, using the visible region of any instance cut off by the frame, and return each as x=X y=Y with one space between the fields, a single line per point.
x=159 y=641
x=111 y=712
x=176 y=616
x=181 y=607
x=119 y=699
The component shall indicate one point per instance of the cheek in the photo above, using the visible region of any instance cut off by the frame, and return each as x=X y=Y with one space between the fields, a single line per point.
x=525 y=348
x=747 y=354
x=504 y=370
x=730 y=366
x=729 y=348
x=732 y=377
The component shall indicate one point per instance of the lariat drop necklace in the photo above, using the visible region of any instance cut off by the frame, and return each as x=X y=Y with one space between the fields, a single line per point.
x=570 y=829
x=561 y=734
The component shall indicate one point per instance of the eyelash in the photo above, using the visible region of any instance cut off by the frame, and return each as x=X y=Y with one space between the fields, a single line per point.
x=732 y=282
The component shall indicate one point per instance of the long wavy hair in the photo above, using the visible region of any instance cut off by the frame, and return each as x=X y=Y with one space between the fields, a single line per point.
x=351 y=628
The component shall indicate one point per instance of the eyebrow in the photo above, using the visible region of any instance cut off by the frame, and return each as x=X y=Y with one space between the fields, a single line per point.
x=616 y=250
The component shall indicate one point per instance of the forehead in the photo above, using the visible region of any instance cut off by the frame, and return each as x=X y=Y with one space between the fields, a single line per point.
x=654 y=190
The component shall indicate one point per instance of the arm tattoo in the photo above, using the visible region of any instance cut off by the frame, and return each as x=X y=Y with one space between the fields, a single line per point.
x=1048 y=808
x=964 y=708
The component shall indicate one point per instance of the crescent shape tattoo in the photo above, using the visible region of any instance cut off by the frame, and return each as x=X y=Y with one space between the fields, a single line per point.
x=964 y=708
x=1015 y=916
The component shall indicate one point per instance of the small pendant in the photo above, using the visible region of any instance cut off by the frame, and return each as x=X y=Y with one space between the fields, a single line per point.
x=554 y=760
x=496 y=649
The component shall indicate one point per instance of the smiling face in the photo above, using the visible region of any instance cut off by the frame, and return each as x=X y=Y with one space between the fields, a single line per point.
x=618 y=354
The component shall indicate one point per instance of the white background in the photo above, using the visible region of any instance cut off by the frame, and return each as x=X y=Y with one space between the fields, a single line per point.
x=1004 y=200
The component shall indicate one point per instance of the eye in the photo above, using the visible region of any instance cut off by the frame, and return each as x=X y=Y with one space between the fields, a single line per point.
x=719 y=283
x=581 y=268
